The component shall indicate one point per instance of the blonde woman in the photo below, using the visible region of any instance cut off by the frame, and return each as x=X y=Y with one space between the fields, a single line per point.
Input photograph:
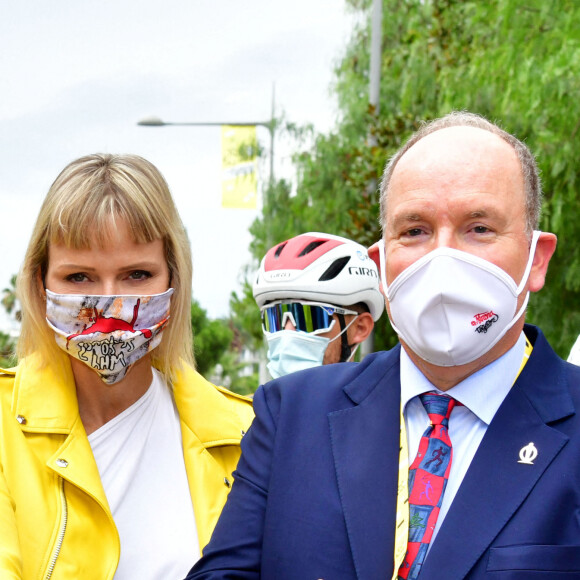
x=115 y=454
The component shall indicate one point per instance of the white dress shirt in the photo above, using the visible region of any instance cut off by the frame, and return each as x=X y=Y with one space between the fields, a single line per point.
x=481 y=394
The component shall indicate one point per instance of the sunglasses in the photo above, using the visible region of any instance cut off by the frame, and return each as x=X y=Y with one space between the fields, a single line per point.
x=312 y=317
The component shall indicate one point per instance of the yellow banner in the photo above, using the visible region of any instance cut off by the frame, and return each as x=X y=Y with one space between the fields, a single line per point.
x=239 y=179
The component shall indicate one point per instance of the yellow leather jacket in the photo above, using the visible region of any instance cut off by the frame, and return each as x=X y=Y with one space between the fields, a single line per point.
x=55 y=521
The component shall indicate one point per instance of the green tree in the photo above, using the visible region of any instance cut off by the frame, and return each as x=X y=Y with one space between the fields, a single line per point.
x=212 y=338
x=7 y=348
x=515 y=63
x=246 y=317
x=247 y=326
x=218 y=346
x=7 y=344
x=230 y=372
x=9 y=299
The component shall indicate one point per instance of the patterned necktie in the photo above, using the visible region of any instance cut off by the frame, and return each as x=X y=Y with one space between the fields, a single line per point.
x=428 y=476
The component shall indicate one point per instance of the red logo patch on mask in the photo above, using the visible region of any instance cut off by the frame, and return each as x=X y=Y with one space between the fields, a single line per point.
x=484 y=320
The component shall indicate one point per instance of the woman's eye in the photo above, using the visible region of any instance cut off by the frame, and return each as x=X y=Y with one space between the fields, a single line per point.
x=77 y=277
x=140 y=275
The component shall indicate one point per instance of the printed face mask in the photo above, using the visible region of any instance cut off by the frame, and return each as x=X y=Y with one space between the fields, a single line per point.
x=451 y=307
x=108 y=333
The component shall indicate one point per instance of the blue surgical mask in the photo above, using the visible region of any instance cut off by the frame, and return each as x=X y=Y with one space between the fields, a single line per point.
x=290 y=351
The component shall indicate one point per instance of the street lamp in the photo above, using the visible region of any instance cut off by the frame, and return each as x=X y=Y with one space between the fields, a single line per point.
x=270 y=125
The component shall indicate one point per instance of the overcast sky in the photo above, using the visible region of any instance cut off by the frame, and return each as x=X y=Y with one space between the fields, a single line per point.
x=76 y=76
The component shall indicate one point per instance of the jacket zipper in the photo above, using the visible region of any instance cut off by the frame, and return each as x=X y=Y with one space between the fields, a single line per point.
x=61 y=532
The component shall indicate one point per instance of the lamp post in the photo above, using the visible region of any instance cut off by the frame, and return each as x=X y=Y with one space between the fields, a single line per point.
x=368 y=345
x=270 y=125
x=376 y=55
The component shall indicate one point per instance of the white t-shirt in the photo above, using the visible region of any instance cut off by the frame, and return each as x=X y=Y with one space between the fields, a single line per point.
x=139 y=454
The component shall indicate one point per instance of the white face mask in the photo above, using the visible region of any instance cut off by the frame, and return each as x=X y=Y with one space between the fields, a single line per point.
x=108 y=333
x=451 y=307
x=290 y=350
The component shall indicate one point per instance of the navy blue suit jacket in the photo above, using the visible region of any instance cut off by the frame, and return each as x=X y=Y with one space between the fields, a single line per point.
x=315 y=489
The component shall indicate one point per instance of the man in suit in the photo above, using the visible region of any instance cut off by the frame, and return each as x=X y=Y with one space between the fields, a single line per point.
x=318 y=491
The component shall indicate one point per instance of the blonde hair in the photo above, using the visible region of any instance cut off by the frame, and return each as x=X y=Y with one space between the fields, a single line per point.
x=82 y=203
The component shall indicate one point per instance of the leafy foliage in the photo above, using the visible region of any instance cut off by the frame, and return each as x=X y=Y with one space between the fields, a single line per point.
x=517 y=63
x=7 y=349
x=212 y=338
x=230 y=372
x=9 y=302
x=246 y=318
x=218 y=345
x=9 y=299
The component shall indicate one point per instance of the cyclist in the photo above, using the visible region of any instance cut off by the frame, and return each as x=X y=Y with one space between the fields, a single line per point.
x=319 y=298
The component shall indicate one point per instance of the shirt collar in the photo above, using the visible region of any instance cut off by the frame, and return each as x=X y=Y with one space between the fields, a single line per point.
x=482 y=392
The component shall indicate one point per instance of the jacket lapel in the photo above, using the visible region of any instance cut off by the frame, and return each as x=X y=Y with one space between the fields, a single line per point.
x=74 y=462
x=365 y=446
x=45 y=398
x=497 y=482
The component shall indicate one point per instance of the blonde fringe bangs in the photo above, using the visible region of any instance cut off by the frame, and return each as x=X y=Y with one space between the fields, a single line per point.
x=83 y=206
x=86 y=213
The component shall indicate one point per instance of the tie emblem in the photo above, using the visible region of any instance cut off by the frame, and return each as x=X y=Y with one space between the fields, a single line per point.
x=428 y=476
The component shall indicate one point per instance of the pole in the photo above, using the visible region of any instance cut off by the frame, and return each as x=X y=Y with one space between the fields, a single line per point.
x=376 y=54
x=156 y=122
x=368 y=345
x=272 y=130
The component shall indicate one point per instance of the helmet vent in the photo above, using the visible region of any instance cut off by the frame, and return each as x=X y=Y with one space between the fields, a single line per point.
x=334 y=269
x=279 y=249
x=310 y=247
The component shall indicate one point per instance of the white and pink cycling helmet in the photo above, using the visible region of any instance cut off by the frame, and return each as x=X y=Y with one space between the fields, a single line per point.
x=320 y=268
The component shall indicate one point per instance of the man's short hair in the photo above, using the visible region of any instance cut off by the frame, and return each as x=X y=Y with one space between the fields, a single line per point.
x=359 y=307
x=530 y=172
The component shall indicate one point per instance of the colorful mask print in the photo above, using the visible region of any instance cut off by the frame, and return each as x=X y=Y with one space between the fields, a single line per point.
x=108 y=333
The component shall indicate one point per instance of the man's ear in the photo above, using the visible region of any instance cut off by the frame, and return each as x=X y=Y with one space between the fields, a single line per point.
x=373 y=252
x=361 y=328
x=545 y=249
x=374 y=255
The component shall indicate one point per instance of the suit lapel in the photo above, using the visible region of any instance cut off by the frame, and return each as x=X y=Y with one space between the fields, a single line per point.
x=365 y=446
x=496 y=483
